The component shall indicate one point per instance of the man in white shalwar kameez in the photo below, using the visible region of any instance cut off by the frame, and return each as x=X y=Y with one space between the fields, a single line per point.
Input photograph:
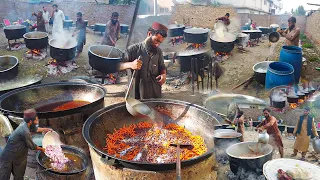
x=58 y=18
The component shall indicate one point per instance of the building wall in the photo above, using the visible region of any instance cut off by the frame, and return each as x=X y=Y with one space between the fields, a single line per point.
x=313 y=29
x=254 y=5
x=267 y=20
x=91 y=11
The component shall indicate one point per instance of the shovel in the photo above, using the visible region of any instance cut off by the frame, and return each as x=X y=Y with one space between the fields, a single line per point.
x=179 y=147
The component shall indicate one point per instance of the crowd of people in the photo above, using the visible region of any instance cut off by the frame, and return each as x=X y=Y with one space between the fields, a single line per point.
x=305 y=127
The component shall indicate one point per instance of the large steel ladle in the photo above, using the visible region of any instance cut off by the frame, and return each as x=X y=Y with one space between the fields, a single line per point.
x=134 y=106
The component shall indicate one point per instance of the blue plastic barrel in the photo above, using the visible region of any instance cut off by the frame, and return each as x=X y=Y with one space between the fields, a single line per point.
x=278 y=74
x=293 y=56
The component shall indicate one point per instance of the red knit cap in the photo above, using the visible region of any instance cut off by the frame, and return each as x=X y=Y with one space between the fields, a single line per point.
x=158 y=26
x=29 y=113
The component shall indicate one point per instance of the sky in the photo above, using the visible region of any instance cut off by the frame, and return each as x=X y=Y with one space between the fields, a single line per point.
x=289 y=4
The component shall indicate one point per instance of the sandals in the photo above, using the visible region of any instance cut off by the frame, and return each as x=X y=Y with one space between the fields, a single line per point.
x=293 y=155
x=303 y=158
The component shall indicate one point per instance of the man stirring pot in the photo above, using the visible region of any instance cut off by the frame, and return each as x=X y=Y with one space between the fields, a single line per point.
x=152 y=72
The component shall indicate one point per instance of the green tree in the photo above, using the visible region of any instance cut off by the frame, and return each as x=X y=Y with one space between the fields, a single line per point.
x=300 y=11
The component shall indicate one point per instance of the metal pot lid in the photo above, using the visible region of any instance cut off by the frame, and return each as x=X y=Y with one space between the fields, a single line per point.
x=192 y=52
x=5 y=126
x=196 y=31
x=251 y=31
x=176 y=26
x=232 y=112
x=270 y=169
x=220 y=102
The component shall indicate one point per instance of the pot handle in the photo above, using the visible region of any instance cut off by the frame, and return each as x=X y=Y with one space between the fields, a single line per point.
x=109 y=161
x=60 y=52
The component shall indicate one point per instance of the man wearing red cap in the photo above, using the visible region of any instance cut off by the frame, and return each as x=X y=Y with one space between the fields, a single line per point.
x=13 y=159
x=151 y=71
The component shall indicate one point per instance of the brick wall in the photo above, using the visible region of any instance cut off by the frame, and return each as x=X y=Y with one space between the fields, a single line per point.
x=91 y=11
x=200 y=16
x=266 y=20
x=313 y=29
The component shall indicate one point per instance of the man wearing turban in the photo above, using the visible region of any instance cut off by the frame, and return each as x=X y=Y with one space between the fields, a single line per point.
x=151 y=71
x=13 y=158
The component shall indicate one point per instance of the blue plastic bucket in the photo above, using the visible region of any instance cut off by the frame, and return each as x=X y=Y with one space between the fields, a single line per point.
x=278 y=74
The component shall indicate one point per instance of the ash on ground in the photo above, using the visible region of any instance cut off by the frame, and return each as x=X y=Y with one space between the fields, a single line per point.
x=15 y=47
x=223 y=159
x=243 y=174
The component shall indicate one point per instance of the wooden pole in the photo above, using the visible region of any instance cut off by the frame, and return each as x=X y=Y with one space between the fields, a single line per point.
x=135 y=14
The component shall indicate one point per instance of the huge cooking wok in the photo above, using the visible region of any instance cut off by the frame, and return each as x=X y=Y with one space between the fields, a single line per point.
x=194 y=118
x=54 y=94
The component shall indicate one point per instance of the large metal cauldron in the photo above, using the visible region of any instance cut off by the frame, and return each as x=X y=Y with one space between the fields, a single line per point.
x=105 y=59
x=224 y=139
x=8 y=67
x=36 y=40
x=50 y=174
x=14 y=31
x=201 y=59
x=248 y=163
x=254 y=34
x=196 y=35
x=176 y=30
x=63 y=50
x=223 y=44
x=68 y=123
x=194 y=118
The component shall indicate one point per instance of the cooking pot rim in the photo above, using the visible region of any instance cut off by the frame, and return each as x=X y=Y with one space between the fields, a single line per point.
x=35 y=32
x=175 y=26
x=16 y=91
x=234 y=39
x=237 y=135
x=195 y=29
x=62 y=48
x=68 y=147
x=20 y=27
x=248 y=142
x=13 y=66
x=263 y=62
x=92 y=46
x=87 y=125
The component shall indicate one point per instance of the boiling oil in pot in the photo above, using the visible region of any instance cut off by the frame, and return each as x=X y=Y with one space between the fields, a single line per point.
x=62 y=106
x=75 y=163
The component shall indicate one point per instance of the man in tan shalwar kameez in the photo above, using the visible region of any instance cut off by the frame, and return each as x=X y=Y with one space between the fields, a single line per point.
x=304 y=127
x=292 y=34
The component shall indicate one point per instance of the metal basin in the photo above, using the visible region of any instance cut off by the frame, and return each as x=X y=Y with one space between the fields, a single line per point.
x=194 y=118
x=260 y=70
x=176 y=30
x=41 y=157
x=8 y=67
x=236 y=151
x=196 y=35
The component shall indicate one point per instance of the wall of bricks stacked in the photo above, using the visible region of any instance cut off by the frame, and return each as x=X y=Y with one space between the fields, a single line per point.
x=200 y=16
x=91 y=11
x=313 y=29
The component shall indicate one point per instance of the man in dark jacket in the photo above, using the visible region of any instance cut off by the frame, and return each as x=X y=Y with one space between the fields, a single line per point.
x=304 y=127
x=81 y=31
x=40 y=22
x=151 y=71
x=13 y=158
